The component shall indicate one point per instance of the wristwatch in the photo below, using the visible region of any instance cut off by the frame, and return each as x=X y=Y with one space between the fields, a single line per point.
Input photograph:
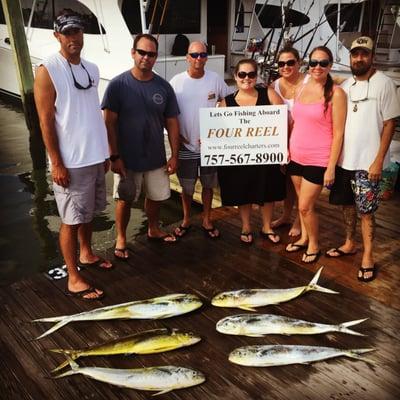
x=114 y=157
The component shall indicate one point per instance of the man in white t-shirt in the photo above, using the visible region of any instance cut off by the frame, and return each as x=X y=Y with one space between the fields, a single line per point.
x=372 y=106
x=76 y=141
x=196 y=88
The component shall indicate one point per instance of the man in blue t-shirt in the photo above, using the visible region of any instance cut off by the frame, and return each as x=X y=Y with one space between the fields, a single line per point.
x=138 y=105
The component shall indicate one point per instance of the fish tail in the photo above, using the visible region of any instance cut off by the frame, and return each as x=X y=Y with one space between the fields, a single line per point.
x=356 y=353
x=74 y=369
x=71 y=354
x=344 y=327
x=50 y=319
x=314 y=286
x=54 y=328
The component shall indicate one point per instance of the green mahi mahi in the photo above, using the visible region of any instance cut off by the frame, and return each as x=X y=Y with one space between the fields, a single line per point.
x=148 y=342
x=155 y=308
x=247 y=299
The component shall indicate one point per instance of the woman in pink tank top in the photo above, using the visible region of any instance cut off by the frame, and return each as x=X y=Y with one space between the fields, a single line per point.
x=319 y=115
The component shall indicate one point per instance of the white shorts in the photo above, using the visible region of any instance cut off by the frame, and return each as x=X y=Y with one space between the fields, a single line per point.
x=85 y=195
x=155 y=184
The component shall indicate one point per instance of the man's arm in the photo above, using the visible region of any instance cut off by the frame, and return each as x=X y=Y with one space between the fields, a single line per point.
x=45 y=96
x=375 y=169
x=111 y=120
x=172 y=127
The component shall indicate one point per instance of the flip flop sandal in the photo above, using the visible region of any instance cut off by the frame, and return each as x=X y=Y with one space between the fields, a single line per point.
x=121 y=250
x=315 y=256
x=249 y=236
x=97 y=264
x=81 y=294
x=365 y=270
x=162 y=239
x=295 y=247
x=209 y=231
x=181 y=231
x=340 y=253
x=269 y=235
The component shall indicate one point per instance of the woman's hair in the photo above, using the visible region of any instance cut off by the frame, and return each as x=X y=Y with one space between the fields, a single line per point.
x=245 y=61
x=291 y=50
x=328 y=92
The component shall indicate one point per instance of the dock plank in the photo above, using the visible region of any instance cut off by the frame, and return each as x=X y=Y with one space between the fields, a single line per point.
x=205 y=267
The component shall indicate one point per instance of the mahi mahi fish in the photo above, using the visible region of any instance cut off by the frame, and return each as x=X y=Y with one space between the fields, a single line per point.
x=158 y=379
x=247 y=299
x=275 y=355
x=148 y=342
x=155 y=308
x=258 y=325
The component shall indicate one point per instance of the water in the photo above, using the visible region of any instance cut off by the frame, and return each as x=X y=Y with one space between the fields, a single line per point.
x=29 y=219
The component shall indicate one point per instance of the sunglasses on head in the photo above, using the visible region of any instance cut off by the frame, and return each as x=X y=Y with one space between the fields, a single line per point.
x=143 y=53
x=197 y=55
x=289 y=63
x=251 y=74
x=321 y=63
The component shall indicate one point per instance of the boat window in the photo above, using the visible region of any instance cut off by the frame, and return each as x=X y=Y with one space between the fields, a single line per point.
x=349 y=16
x=45 y=12
x=181 y=16
x=271 y=16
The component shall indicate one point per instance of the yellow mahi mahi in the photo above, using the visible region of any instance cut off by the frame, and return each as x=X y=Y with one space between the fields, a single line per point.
x=247 y=299
x=148 y=342
x=155 y=308
x=158 y=379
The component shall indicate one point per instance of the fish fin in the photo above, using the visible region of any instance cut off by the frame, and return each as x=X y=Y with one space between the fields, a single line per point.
x=343 y=327
x=51 y=319
x=61 y=366
x=162 y=392
x=254 y=335
x=356 y=353
x=247 y=308
x=54 y=328
x=71 y=355
x=74 y=368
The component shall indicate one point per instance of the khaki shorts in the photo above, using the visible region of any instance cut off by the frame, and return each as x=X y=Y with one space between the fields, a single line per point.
x=84 y=197
x=155 y=184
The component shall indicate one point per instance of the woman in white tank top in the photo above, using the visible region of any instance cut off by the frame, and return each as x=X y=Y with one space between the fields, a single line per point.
x=286 y=86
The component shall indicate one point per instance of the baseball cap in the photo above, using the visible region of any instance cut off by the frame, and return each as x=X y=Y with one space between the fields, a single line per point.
x=363 y=42
x=65 y=22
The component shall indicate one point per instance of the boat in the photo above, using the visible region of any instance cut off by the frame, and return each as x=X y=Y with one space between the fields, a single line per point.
x=233 y=29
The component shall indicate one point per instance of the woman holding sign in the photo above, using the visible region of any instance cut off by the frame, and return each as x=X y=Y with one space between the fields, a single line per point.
x=246 y=185
x=319 y=115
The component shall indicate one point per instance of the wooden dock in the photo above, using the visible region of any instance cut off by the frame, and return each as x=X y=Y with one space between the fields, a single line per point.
x=204 y=267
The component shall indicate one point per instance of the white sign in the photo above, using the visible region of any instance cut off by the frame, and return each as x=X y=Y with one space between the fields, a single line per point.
x=243 y=135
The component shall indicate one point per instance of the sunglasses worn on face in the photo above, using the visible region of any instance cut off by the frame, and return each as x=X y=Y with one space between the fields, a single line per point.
x=321 y=63
x=197 y=55
x=143 y=53
x=251 y=74
x=77 y=84
x=289 y=63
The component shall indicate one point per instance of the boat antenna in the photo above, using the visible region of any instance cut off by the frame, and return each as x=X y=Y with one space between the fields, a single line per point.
x=162 y=18
x=299 y=28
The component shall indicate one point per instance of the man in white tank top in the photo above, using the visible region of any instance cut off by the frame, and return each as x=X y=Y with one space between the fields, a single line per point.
x=76 y=141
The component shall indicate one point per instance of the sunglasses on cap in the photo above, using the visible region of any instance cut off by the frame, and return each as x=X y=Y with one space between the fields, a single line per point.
x=321 y=63
x=289 y=63
x=197 y=55
x=251 y=74
x=143 y=53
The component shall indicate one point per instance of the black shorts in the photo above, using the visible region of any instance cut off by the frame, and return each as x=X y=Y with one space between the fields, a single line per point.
x=310 y=173
x=341 y=192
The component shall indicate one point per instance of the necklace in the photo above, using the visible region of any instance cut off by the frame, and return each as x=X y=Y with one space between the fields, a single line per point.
x=291 y=88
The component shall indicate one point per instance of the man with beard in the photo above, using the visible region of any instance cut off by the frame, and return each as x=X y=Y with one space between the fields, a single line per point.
x=372 y=106
x=137 y=105
x=75 y=136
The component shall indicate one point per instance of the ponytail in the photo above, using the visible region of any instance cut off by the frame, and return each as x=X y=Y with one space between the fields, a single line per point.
x=328 y=92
